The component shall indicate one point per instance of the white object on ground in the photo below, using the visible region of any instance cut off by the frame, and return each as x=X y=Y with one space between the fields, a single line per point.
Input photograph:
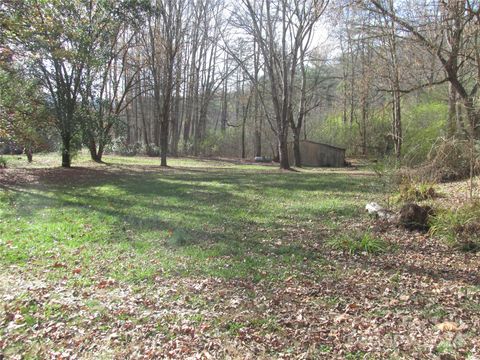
x=373 y=208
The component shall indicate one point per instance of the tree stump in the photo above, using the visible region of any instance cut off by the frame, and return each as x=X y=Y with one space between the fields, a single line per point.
x=415 y=217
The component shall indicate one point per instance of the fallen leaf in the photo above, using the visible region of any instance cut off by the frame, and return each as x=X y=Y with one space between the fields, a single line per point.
x=341 y=318
x=352 y=306
x=447 y=326
x=59 y=265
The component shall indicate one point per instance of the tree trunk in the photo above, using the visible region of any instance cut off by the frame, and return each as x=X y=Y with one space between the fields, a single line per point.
x=164 y=134
x=163 y=146
x=473 y=119
x=224 y=116
x=243 y=137
x=397 y=125
x=283 y=153
x=29 y=153
x=460 y=125
x=92 y=147
x=165 y=121
x=199 y=132
x=101 y=149
x=66 y=157
x=258 y=143
x=186 y=133
x=452 y=112
x=296 y=147
x=257 y=119
x=363 y=126
x=176 y=114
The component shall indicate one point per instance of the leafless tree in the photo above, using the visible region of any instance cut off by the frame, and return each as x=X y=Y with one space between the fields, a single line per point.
x=282 y=31
x=454 y=43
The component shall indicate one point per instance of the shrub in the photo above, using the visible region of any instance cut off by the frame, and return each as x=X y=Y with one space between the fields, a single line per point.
x=358 y=243
x=448 y=161
x=460 y=228
x=387 y=177
x=150 y=150
x=119 y=146
x=3 y=162
x=411 y=191
x=210 y=144
x=423 y=120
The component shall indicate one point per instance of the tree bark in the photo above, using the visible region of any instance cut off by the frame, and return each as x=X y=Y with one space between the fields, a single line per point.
x=296 y=147
x=452 y=112
x=29 y=153
x=92 y=147
x=66 y=148
x=397 y=124
x=283 y=153
x=243 y=137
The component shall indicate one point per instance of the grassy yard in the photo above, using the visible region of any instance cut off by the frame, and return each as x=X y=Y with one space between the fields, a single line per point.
x=218 y=259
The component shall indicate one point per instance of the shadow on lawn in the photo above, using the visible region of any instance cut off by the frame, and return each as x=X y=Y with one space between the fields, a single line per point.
x=244 y=178
x=206 y=206
x=196 y=226
x=198 y=187
x=242 y=210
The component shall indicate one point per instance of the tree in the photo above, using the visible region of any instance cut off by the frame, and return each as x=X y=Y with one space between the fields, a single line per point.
x=24 y=118
x=459 y=24
x=164 y=39
x=54 y=39
x=106 y=83
x=59 y=40
x=282 y=30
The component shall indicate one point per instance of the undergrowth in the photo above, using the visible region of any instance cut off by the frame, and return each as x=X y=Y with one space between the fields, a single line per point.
x=411 y=191
x=460 y=228
x=3 y=162
x=358 y=243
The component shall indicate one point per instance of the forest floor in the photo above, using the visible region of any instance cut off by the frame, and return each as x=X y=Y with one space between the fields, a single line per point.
x=217 y=260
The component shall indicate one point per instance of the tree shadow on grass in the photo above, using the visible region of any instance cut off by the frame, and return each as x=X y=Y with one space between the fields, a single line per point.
x=242 y=178
x=207 y=207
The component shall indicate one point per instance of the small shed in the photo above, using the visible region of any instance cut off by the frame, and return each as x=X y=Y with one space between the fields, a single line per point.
x=317 y=154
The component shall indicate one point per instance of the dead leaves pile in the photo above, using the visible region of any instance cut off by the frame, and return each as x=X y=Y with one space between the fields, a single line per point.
x=407 y=303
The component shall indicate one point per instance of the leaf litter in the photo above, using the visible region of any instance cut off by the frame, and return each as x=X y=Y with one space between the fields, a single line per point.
x=407 y=303
x=401 y=304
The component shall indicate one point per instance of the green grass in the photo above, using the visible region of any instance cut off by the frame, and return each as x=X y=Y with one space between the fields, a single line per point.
x=459 y=228
x=201 y=218
x=358 y=243
x=128 y=254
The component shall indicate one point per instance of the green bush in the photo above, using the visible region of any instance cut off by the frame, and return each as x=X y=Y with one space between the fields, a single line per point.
x=3 y=162
x=423 y=123
x=210 y=144
x=460 y=228
x=410 y=191
x=332 y=130
x=449 y=160
x=358 y=243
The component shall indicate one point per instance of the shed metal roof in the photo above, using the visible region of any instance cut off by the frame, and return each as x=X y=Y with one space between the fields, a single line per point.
x=317 y=143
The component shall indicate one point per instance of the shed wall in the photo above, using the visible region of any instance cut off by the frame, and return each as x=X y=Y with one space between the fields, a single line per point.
x=315 y=154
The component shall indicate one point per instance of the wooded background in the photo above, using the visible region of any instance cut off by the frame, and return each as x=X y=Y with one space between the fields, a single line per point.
x=240 y=79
